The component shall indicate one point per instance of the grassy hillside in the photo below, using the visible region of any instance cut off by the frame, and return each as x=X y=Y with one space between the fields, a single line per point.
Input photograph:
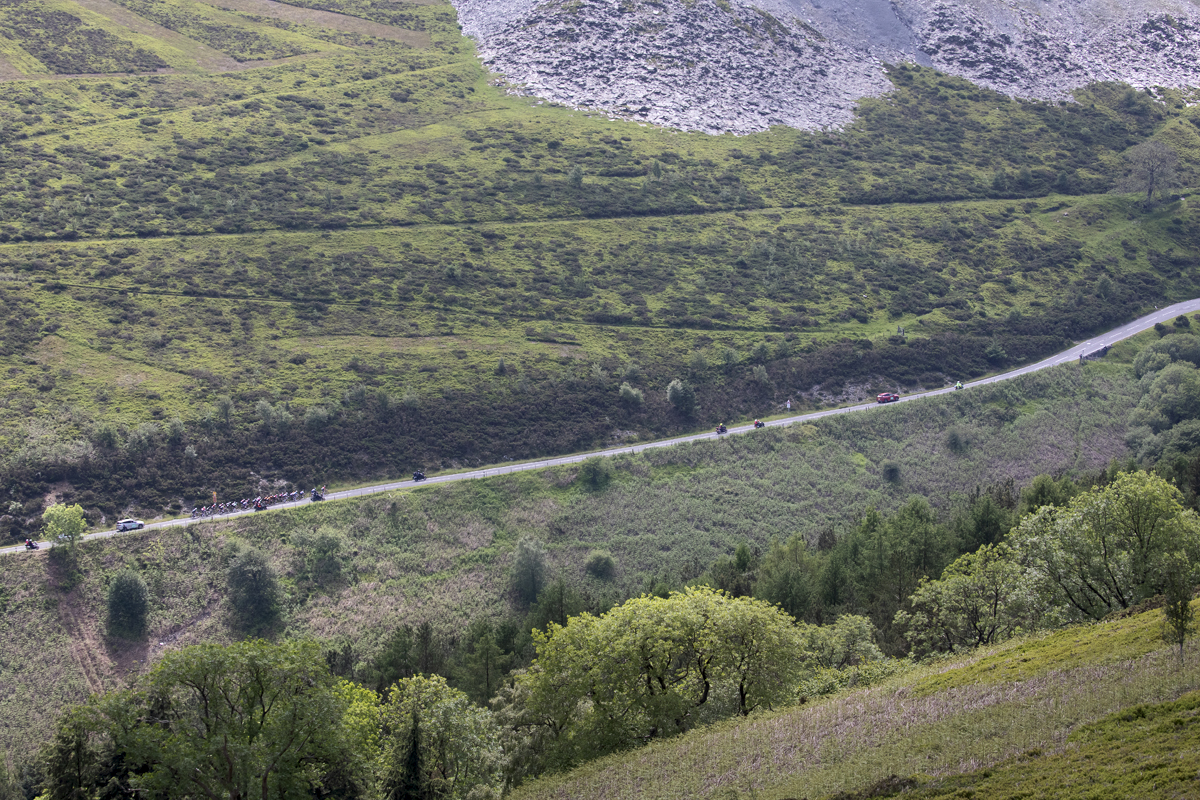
x=442 y=554
x=1023 y=721
x=321 y=244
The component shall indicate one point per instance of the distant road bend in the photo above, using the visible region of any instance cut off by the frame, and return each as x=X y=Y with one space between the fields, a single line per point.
x=1084 y=349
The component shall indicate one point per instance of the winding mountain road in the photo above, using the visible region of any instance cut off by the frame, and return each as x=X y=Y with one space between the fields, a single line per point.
x=1076 y=353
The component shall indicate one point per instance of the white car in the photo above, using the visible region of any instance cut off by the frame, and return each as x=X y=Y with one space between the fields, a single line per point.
x=130 y=525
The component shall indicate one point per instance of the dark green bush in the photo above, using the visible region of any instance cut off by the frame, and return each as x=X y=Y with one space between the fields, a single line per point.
x=601 y=564
x=128 y=605
x=682 y=396
x=253 y=590
x=595 y=472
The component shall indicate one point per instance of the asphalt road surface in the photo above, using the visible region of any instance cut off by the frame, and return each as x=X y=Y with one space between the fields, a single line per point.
x=1165 y=315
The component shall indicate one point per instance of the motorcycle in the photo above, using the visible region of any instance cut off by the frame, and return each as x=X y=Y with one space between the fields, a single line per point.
x=958 y=386
x=418 y=476
x=722 y=429
x=758 y=423
x=316 y=496
x=30 y=544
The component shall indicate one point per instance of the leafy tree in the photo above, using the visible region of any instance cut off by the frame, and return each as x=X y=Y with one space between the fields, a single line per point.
x=646 y=668
x=319 y=557
x=601 y=564
x=789 y=576
x=248 y=720
x=253 y=590
x=981 y=598
x=128 y=605
x=848 y=642
x=1107 y=549
x=1173 y=396
x=529 y=570
x=1179 y=618
x=64 y=523
x=1045 y=491
x=1152 y=169
x=223 y=409
x=433 y=730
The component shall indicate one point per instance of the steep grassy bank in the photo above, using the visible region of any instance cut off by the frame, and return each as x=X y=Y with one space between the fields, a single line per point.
x=1037 y=731
x=442 y=554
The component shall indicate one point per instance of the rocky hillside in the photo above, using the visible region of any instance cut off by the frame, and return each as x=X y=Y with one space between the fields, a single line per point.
x=740 y=66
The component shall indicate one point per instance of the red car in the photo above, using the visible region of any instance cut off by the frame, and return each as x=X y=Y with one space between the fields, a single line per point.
x=887 y=397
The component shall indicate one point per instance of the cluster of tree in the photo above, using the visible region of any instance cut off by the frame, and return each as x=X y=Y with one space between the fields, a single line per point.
x=1104 y=551
x=268 y=720
x=654 y=667
x=263 y=720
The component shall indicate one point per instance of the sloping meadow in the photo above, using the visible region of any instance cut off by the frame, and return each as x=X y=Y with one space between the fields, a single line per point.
x=442 y=553
x=1042 y=725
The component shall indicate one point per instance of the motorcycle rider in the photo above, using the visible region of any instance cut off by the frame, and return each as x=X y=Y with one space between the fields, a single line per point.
x=958 y=385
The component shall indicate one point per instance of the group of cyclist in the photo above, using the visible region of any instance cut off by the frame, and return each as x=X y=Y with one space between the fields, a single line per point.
x=257 y=503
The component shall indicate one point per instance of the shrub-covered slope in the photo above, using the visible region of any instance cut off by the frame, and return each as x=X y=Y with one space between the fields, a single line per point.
x=444 y=554
x=346 y=263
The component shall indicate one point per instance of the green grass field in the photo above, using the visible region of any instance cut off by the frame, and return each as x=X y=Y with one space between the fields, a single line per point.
x=317 y=196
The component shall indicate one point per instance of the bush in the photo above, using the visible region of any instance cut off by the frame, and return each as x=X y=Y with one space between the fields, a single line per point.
x=253 y=590
x=682 y=396
x=128 y=605
x=601 y=564
x=632 y=396
x=891 y=472
x=956 y=441
x=595 y=472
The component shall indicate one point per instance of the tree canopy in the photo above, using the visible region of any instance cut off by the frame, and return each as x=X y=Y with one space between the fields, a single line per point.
x=1105 y=550
x=64 y=523
x=649 y=667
